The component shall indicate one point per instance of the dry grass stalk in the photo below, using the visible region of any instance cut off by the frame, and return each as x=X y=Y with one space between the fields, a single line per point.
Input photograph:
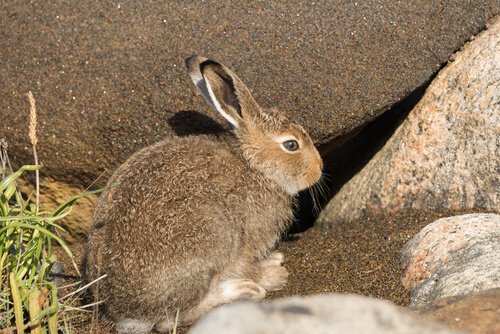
x=32 y=131
x=3 y=156
x=34 y=141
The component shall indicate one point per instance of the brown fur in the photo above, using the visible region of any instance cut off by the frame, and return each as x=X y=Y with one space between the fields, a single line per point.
x=190 y=223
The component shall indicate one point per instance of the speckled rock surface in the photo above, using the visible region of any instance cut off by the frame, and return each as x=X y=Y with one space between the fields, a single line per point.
x=319 y=314
x=446 y=154
x=452 y=256
x=108 y=76
x=477 y=313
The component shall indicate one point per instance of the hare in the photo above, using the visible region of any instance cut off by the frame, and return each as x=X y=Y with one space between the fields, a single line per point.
x=190 y=223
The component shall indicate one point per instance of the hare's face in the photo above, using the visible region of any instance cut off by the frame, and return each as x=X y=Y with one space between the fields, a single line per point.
x=282 y=151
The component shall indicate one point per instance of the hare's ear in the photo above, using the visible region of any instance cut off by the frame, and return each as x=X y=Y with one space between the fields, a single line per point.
x=222 y=89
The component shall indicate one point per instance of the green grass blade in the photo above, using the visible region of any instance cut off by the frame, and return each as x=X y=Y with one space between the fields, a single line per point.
x=74 y=199
x=48 y=233
x=34 y=312
x=36 y=218
x=53 y=314
x=14 y=176
x=9 y=191
x=18 y=304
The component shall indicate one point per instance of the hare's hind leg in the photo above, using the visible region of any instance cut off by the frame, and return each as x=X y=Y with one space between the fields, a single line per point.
x=135 y=326
x=273 y=275
x=237 y=289
x=224 y=292
x=269 y=274
x=221 y=293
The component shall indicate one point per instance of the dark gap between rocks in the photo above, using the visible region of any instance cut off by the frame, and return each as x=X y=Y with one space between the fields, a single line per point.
x=347 y=159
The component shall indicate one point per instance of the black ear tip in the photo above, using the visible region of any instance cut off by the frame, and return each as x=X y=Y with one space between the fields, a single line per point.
x=213 y=64
x=189 y=60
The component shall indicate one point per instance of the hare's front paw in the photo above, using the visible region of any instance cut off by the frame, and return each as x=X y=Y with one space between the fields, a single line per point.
x=273 y=260
x=273 y=275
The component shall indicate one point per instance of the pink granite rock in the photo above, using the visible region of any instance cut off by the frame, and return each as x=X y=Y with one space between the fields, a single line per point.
x=446 y=155
x=475 y=313
x=453 y=256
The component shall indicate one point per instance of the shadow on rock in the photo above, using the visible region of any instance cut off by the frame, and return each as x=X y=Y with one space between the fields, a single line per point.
x=192 y=122
x=349 y=157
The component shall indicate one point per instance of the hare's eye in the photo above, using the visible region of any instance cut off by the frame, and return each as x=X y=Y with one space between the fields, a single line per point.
x=291 y=145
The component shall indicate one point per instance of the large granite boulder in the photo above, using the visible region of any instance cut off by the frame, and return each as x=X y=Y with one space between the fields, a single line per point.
x=445 y=157
x=109 y=78
x=452 y=256
x=319 y=314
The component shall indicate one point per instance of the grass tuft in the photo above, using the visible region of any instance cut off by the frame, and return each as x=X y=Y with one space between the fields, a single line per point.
x=28 y=297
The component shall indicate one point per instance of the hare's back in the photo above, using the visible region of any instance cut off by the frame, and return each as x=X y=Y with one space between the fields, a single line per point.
x=182 y=168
